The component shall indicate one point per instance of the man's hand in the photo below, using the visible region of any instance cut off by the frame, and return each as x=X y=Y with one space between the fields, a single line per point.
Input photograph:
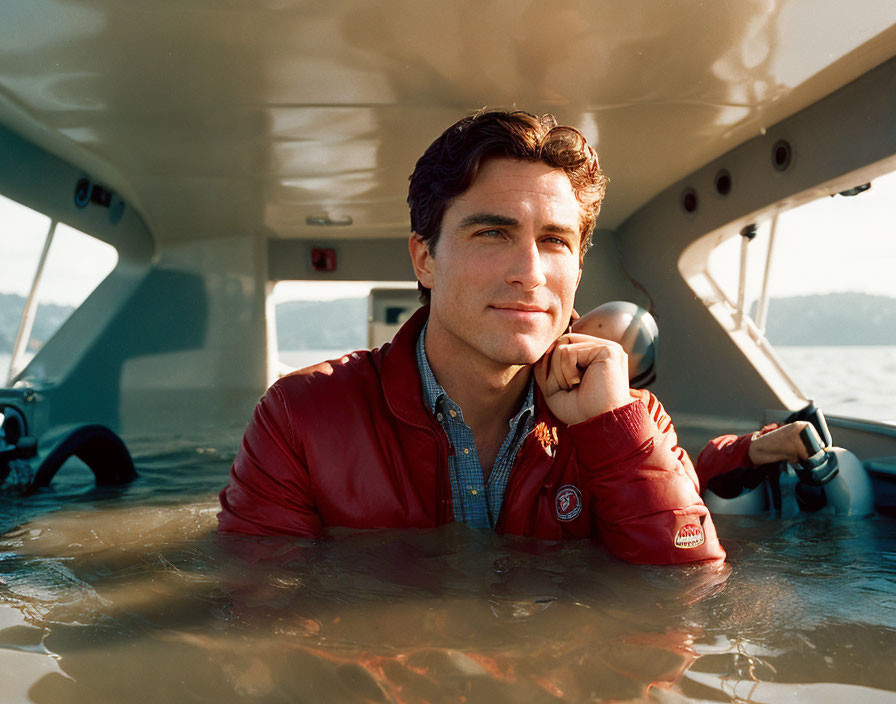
x=583 y=376
x=781 y=444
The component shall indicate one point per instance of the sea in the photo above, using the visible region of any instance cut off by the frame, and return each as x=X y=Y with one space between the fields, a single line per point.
x=852 y=381
x=126 y=594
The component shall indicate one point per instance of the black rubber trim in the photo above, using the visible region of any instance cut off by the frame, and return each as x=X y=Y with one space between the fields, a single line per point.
x=97 y=447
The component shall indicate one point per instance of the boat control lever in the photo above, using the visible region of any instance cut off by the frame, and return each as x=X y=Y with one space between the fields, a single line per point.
x=821 y=466
x=813 y=415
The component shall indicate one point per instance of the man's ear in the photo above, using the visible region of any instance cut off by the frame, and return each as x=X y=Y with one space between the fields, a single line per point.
x=579 y=277
x=421 y=260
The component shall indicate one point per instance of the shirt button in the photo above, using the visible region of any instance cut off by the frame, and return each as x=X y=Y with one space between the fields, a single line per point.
x=466 y=450
x=453 y=414
x=473 y=492
x=439 y=416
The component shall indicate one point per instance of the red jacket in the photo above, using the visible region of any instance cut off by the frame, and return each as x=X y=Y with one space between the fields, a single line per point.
x=351 y=443
x=725 y=455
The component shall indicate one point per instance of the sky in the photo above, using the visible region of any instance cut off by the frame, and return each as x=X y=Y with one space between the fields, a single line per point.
x=76 y=263
x=832 y=244
x=827 y=245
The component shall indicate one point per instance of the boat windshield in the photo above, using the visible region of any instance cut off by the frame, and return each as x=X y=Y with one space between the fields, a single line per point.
x=814 y=287
x=47 y=270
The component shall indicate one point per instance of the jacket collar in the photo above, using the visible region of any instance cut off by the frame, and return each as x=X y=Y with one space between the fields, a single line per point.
x=398 y=371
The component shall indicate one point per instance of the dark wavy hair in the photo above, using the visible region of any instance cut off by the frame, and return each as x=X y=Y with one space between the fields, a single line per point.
x=450 y=165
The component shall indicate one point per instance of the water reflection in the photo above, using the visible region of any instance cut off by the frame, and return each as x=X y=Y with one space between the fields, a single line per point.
x=135 y=598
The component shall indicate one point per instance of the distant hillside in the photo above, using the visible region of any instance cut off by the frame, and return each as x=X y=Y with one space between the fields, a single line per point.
x=831 y=320
x=48 y=320
x=339 y=324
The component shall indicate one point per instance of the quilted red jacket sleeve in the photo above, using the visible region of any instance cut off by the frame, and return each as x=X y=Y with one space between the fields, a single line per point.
x=648 y=506
x=268 y=493
x=726 y=453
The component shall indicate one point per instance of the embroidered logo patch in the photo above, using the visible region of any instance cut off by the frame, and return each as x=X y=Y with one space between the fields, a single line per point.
x=569 y=503
x=689 y=536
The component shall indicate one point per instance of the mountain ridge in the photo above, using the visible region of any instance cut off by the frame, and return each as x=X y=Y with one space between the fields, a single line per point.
x=833 y=319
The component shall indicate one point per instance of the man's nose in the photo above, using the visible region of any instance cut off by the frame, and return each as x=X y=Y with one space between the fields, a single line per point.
x=526 y=268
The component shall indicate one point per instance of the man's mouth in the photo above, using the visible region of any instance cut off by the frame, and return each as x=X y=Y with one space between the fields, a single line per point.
x=519 y=308
x=520 y=313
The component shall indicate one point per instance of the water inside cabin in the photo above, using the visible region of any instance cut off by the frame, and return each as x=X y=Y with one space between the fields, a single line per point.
x=128 y=596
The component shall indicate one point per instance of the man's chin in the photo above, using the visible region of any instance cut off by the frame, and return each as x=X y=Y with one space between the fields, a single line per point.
x=519 y=355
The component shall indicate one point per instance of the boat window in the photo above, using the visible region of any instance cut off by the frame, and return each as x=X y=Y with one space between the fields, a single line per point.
x=47 y=269
x=815 y=287
x=314 y=321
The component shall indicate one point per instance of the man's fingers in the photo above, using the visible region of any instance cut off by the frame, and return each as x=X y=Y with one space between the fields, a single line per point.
x=558 y=368
x=568 y=370
x=571 y=360
x=583 y=376
x=542 y=372
x=783 y=443
x=546 y=372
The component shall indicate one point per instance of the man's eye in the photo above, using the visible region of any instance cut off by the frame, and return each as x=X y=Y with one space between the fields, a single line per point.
x=490 y=233
x=558 y=241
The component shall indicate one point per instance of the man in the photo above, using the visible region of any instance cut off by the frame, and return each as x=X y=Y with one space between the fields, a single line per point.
x=481 y=410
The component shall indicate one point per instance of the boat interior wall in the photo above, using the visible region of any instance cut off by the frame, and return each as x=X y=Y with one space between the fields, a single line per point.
x=159 y=333
x=189 y=343
x=383 y=259
x=872 y=439
x=44 y=182
x=604 y=277
x=169 y=352
x=847 y=136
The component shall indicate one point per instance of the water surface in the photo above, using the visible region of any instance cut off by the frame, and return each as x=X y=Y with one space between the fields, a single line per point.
x=127 y=595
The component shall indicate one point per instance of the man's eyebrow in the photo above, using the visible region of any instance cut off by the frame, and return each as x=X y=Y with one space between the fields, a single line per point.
x=560 y=230
x=488 y=219
x=494 y=220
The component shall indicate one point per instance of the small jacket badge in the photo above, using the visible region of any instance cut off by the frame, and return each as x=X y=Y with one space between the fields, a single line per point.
x=568 y=502
x=689 y=536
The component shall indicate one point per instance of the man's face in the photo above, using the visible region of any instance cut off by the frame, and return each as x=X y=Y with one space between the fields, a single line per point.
x=506 y=265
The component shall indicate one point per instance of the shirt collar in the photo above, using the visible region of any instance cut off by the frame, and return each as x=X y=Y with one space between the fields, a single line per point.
x=432 y=390
x=528 y=407
x=434 y=393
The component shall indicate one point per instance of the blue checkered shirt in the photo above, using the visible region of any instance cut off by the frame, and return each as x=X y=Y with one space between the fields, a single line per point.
x=476 y=502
